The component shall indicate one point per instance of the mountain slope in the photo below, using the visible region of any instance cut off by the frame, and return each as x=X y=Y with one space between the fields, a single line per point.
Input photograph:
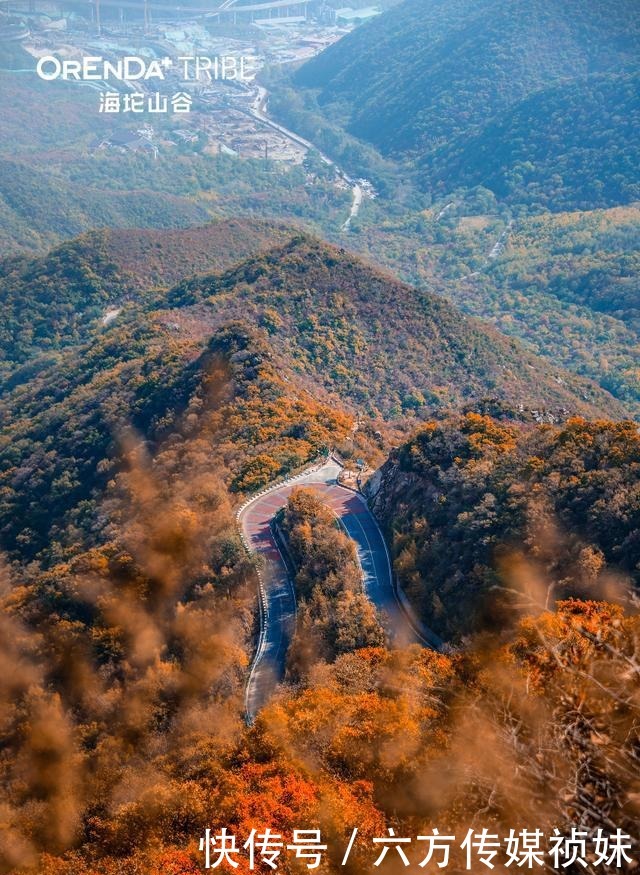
x=161 y=258
x=65 y=430
x=373 y=341
x=41 y=209
x=570 y=146
x=482 y=514
x=50 y=302
x=427 y=76
x=280 y=351
x=568 y=285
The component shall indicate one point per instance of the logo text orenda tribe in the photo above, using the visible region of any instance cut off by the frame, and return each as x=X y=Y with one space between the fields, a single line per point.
x=131 y=68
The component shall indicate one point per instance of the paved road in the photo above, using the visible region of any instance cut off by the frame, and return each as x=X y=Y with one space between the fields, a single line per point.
x=355 y=206
x=278 y=597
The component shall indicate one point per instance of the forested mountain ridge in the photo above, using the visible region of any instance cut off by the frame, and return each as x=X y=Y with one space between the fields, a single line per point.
x=38 y=208
x=224 y=398
x=375 y=342
x=481 y=512
x=163 y=258
x=456 y=73
x=340 y=323
x=319 y=335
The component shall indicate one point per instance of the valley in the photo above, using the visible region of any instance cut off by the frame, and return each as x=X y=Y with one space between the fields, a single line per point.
x=388 y=221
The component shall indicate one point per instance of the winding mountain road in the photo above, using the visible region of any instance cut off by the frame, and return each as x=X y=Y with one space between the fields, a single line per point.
x=277 y=595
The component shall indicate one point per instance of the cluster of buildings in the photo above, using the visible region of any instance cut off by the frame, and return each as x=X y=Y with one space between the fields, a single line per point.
x=226 y=116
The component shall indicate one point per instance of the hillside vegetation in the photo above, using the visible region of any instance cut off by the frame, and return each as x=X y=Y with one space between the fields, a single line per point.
x=567 y=284
x=571 y=146
x=160 y=259
x=564 y=283
x=54 y=301
x=123 y=696
x=536 y=100
x=306 y=335
x=481 y=512
x=377 y=343
x=63 y=429
x=334 y=614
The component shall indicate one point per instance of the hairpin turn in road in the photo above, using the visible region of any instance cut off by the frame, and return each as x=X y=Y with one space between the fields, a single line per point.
x=277 y=594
